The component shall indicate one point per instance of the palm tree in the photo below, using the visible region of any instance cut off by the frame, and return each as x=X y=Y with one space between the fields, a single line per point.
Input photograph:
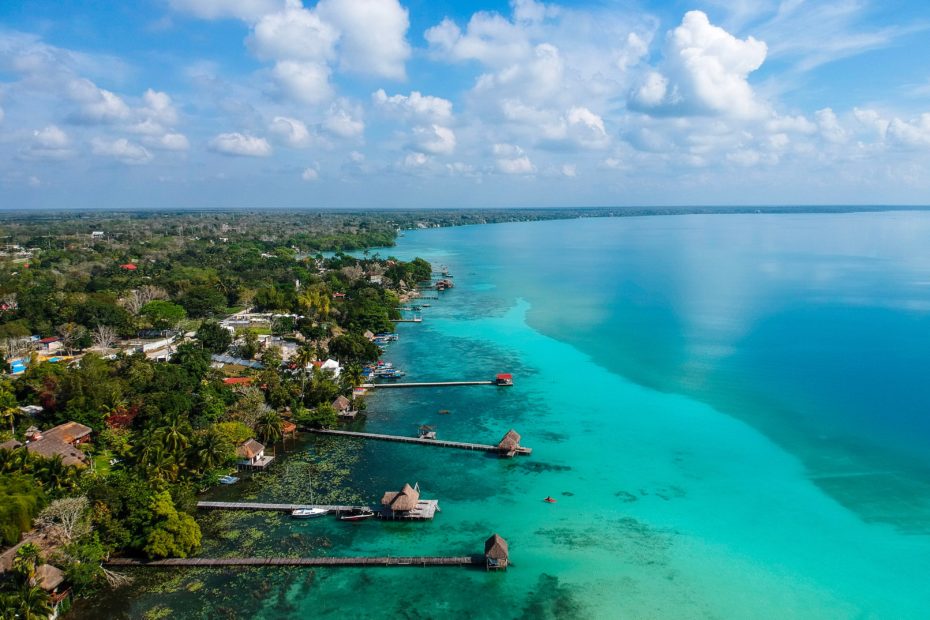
x=26 y=560
x=211 y=449
x=173 y=435
x=352 y=375
x=55 y=474
x=303 y=357
x=268 y=427
x=33 y=603
x=9 y=408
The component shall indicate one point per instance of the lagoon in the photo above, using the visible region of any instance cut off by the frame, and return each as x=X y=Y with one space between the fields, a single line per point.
x=730 y=410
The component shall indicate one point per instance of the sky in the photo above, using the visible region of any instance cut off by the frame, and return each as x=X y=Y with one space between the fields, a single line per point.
x=442 y=103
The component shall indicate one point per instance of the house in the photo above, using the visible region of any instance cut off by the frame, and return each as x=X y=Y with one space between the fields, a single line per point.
x=238 y=380
x=332 y=365
x=252 y=455
x=51 y=579
x=62 y=441
x=50 y=344
x=339 y=295
x=97 y=234
x=369 y=335
x=504 y=378
x=509 y=445
x=32 y=410
x=343 y=407
x=129 y=267
x=402 y=501
x=376 y=279
x=496 y=553
x=12 y=444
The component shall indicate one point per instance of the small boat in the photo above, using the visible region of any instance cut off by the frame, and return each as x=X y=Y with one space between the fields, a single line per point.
x=307 y=513
x=357 y=514
x=549 y=499
x=229 y=480
x=427 y=306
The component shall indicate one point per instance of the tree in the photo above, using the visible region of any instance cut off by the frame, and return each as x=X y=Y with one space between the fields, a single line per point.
x=27 y=559
x=172 y=533
x=268 y=427
x=32 y=603
x=9 y=408
x=213 y=337
x=72 y=335
x=203 y=301
x=104 y=336
x=65 y=519
x=173 y=435
x=249 y=346
x=163 y=314
x=212 y=449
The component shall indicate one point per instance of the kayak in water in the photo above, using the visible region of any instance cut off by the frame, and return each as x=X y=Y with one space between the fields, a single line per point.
x=549 y=499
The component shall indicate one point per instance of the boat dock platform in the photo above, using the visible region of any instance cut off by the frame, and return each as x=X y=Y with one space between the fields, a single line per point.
x=416 y=320
x=425 y=510
x=331 y=561
x=439 y=443
x=426 y=384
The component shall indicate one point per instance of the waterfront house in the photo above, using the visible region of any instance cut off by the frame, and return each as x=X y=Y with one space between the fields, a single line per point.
x=343 y=407
x=403 y=501
x=252 y=455
x=496 y=553
x=369 y=335
x=504 y=378
x=51 y=579
x=509 y=445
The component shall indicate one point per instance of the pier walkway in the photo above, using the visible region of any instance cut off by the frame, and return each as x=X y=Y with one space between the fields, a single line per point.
x=439 y=443
x=426 y=384
x=258 y=506
x=332 y=561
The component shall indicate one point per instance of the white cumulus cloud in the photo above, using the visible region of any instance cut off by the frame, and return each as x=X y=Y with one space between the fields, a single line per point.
x=340 y=121
x=415 y=104
x=240 y=144
x=291 y=131
x=705 y=71
x=373 y=35
x=435 y=139
x=168 y=142
x=295 y=33
x=121 y=149
x=310 y=174
x=97 y=105
x=306 y=82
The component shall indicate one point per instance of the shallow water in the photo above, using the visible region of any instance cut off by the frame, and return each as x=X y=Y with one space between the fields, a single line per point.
x=729 y=409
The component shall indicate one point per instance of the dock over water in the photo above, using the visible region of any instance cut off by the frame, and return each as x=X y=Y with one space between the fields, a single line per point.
x=333 y=561
x=439 y=443
x=426 y=384
x=259 y=506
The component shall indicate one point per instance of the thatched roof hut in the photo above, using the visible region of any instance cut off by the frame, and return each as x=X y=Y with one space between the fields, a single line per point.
x=496 y=552
x=250 y=449
x=510 y=442
x=401 y=501
x=342 y=404
x=50 y=447
x=12 y=444
x=49 y=577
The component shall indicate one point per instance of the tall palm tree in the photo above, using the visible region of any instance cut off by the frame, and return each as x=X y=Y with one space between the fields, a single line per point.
x=55 y=474
x=211 y=450
x=352 y=375
x=303 y=357
x=268 y=427
x=27 y=559
x=173 y=435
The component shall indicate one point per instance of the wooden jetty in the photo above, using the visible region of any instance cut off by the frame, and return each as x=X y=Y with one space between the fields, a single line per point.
x=496 y=556
x=426 y=384
x=439 y=443
x=414 y=320
x=259 y=506
x=465 y=560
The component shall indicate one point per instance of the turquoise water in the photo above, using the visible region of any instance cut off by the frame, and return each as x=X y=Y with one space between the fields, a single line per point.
x=729 y=409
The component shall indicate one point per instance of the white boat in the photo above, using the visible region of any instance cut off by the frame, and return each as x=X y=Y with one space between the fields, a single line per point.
x=307 y=513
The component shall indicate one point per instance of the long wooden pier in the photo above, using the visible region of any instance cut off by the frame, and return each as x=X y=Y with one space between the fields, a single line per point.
x=416 y=320
x=331 y=561
x=426 y=384
x=259 y=506
x=439 y=443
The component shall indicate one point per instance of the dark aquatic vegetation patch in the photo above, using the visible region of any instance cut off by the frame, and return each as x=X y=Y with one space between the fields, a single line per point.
x=537 y=467
x=551 y=436
x=568 y=494
x=551 y=599
x=626 y=497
